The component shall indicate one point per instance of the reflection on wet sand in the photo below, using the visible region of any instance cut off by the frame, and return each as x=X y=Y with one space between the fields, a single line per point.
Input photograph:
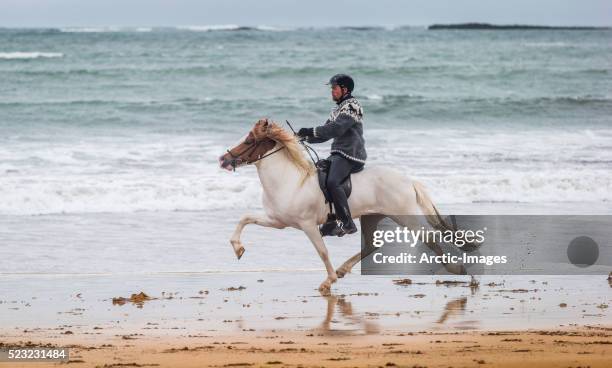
x=457 y=306
x=246 y=303
x=453 y=308
x=361 y=325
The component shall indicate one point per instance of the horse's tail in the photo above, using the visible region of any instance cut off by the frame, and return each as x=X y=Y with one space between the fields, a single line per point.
x=433 y=215
x=429 y=210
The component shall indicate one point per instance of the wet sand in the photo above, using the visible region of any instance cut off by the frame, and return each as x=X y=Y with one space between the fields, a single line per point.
x=279 y=319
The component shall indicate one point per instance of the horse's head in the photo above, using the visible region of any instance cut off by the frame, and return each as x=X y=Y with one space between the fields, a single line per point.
x=252 y=147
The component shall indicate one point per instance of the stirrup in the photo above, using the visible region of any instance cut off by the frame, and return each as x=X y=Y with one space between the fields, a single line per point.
x=347 y=230
x=328 y=228
x=336 y=228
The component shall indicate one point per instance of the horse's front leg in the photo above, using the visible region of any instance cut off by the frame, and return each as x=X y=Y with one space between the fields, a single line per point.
x=312 y=231
x=259 y=219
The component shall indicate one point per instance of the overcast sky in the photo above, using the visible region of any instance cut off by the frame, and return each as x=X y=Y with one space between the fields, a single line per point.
x=35 y=13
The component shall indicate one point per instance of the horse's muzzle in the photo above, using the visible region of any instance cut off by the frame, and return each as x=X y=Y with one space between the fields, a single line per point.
x=225 y=163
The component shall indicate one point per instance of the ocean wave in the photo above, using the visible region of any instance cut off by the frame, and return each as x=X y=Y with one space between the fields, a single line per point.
x=398 y=99
x=547 y=44
x=217 y=27
x=30 y=31
x=118 y=71
x=179 y=171
x=272 y=28
x=204 y=70
x=286 y=71
x=594 y=71
x=80 y=102
x=124 y=194
x=230 y=27
x=416 y=69
x=89 y=29
x=520 y=187
x=375 y=103
x=104 y=29
x=362 y=28
x=18 y=55
x=88 y=194
x=135 y=103
x=220 y=102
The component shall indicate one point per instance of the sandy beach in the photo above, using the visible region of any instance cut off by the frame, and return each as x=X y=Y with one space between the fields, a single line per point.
x=279 y=319
x=547 y=348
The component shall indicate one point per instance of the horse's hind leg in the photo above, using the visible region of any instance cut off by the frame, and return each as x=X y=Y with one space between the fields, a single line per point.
x=259 y=219
x=348 y=265
x=367 y=229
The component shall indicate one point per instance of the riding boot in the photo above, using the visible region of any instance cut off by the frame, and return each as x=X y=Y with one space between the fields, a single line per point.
x=340 y=168
x=345 y=224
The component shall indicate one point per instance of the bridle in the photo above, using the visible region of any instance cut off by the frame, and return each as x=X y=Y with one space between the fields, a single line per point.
x=236 y=160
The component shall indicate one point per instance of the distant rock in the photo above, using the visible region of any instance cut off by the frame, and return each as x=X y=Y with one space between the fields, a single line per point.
x=480 y=26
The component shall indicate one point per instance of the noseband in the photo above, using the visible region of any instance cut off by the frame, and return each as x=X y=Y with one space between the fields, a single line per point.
x=236 y=160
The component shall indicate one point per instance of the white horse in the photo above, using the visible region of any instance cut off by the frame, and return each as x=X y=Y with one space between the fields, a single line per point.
x=292 y=197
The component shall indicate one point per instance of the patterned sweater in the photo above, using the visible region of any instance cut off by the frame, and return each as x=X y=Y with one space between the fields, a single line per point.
x=346 y=128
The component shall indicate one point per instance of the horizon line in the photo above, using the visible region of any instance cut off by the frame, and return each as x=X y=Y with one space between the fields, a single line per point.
x=288 y=27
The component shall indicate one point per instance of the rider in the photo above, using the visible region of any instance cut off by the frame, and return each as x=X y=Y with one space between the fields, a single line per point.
x=348 y=152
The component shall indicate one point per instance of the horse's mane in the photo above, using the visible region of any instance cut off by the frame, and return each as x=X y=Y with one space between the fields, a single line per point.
x=292 y=148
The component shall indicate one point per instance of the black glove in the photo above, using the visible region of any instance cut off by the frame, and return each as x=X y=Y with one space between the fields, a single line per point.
x=306 y=132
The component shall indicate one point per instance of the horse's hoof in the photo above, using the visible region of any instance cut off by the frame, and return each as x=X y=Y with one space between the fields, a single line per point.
x=240 y=252
x=341 y=273
x=325 y=290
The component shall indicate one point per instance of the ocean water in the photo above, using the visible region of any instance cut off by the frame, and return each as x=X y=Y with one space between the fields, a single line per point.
x=133 y=119
x=108 y=130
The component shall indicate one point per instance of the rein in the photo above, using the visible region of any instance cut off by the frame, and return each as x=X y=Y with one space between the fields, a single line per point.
x=307 y=147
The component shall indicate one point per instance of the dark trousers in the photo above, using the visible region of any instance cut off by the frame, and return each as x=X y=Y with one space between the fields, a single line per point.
x=339 y=170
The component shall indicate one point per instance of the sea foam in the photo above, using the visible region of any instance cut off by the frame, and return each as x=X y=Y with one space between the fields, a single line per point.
x=29 y=55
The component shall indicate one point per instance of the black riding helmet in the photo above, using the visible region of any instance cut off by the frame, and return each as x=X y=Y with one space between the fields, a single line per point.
x=342 y=80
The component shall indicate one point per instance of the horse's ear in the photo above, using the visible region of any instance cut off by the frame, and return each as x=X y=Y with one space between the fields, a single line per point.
x=267 y=125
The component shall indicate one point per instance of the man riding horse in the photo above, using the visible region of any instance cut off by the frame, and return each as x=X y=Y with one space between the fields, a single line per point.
x=291 y=190
x=348 y=152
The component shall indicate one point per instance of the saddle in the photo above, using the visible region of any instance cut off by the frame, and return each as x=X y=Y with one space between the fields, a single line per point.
x=323 y=166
